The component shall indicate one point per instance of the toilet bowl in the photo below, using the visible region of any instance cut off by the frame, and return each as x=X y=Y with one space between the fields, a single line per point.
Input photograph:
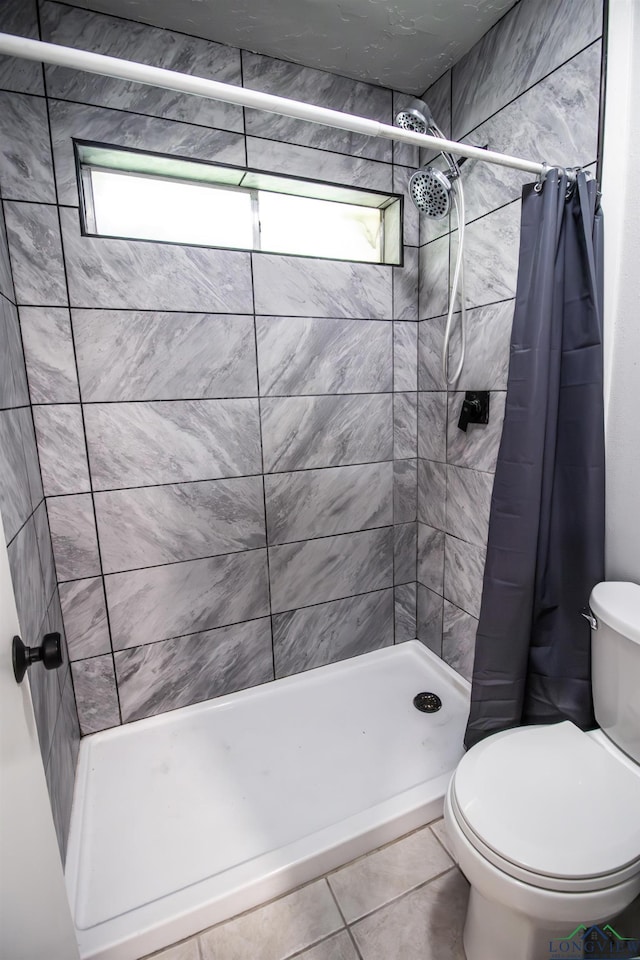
x=544 y=821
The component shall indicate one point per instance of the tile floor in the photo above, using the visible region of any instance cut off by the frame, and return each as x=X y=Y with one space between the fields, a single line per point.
x=406 y=899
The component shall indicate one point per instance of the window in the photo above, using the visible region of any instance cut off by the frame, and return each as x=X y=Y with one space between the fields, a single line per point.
x=144 y=196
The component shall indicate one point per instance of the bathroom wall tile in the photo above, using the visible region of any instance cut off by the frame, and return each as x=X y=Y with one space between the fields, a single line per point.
x=304 y=432
x=315 y=571
x=53 y=623
x=6 y=279
x=411 y=220
x=208 y=439
x=186 y=521
x=45 y=695
x=463 y=573
x=340 y=629
x=13 y=381
x=280 y=77
x=405 y=537
x=405 y=286
x=34 y=240
x=161 y=676
x=48 y=348
x=282 y=927
x=26 y=575
x=59 y=428
x=478 y=447
x=459 y=639
x=61 y=769
x=434 y=278
x=317 y=503
x=73 y=535
x=430 y=344
x=486 y=363
x=20 y=17
x=305 y=356
x=26 y=171
x=94 y=683
x=386 y=874
x=429 y=616
x=468 y=504
x=492 y=245
x=145 y=44
x=432 y=481
x=160 y=603
x=15 y=501
x=432 y=426
x=405 y=504
x=528 y=43
x=295 y=161
x=125 y=355
x=405 y=425
x=403 y=153
x=438 y=100
x=131 y=130
x=405 y=612
x=143 y=275
x=45 y=551
x=431 y=557
x=30 y=455
x=308 y=287
x=85 y=618
x=405 y=356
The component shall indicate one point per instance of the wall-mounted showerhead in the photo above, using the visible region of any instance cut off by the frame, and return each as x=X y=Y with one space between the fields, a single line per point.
x=430 y=191
x=416 y=117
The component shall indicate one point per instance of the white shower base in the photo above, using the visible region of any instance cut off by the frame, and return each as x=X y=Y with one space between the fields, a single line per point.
x=183 y=820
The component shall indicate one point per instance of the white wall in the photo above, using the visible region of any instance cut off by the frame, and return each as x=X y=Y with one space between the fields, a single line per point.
x=621 y=202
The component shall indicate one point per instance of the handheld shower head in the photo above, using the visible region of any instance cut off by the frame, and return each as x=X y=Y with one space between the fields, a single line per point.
x=430 y=191
x=416 y=117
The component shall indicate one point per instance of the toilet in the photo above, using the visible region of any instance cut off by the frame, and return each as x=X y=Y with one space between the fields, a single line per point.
x=544 y=821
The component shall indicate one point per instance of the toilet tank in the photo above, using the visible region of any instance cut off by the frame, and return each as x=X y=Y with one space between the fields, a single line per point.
x=615 y=663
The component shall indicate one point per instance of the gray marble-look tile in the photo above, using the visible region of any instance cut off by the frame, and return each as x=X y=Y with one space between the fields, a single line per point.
x=405 y=493
x=26 y=576
x=13 y=379
x=45 y=695
x=318 y=503
x=314 y=571
x=430 y=557
x=54 y=623
x=36 y=253
x=85 y=618
x=314 y=636
x=26 y=170
x=292 y=160
x=281 y=77
x=405 y=612
x=429 y=619
x=405 y=286
x=525 y=45
x=131 y=131
x=405 y=356
x=30 y=455
x=281 y=928
x=20 y=17
x=62 y=449
x=309 y=287
x=207 y=439
x=478 y=447
x=6 y=277
x=432 y=493
x=144 y=275
x=432 y=426
x=405 y=425
x=463 y=573
x=186 y=521
x=48 y=349
x=306 y=356
x=492 y=246
x=73 y=535
x=111 y=36
x=160 y=603
x=486 y=362
x=405 y=538
x=175 y=673
x=459 y=639
x=432 y=915
x=411 y=217
x=15 y=501
x=45 y=551
x=304 y=432
x=61 y=769
x=438 y=100
x=430 y=345
x=125 y=355
x=434 y=278
x=468 y=504
x=94 y=682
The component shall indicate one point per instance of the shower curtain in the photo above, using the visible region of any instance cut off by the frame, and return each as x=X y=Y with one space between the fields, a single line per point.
x=546 y=532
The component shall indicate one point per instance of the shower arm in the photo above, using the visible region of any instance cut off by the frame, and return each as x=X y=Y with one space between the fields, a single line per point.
x=52 y=53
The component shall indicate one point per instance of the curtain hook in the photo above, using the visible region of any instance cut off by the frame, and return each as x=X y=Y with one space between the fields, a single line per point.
x=541 y=177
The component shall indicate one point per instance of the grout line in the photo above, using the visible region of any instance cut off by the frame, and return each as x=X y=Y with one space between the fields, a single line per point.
x=402 y=896
x=344 y=920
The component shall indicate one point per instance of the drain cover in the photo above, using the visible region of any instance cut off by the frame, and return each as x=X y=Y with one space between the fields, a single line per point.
x=427 y=702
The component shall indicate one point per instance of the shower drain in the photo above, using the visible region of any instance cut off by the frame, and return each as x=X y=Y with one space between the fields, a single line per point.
x=427 y=702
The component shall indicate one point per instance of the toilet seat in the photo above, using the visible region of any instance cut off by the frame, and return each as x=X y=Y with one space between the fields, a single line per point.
x=550 y=806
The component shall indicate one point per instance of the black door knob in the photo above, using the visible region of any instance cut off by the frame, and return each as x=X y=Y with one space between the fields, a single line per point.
x=49 y=653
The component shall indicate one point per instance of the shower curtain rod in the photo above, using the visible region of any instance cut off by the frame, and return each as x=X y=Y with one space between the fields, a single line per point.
x=28 y=49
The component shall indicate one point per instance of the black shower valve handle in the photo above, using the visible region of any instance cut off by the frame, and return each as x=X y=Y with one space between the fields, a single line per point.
x=49 y=653
x=475 y=408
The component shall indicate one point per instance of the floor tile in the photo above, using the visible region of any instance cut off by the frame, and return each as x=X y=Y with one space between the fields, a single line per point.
x=187 y=950
x=382 y=876
x=338 y=947
x=440 y=830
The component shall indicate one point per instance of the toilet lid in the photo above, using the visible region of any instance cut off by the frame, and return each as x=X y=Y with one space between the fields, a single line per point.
x=551 y=800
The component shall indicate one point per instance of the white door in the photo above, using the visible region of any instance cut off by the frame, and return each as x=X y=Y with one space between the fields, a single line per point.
x=35 y=920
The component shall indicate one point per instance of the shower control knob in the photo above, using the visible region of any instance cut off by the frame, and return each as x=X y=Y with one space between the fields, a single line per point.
x=475 y=408
x=49 y=653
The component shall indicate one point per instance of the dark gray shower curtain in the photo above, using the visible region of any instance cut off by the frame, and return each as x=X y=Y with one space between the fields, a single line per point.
x=546 y=532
